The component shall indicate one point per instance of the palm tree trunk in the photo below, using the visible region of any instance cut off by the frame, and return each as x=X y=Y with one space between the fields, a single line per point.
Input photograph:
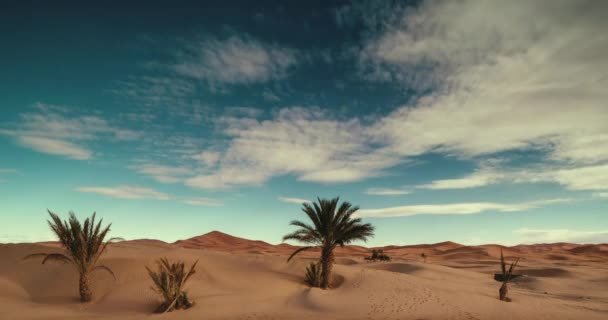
x=503 y=292
x=327 y=262
x=85 y=288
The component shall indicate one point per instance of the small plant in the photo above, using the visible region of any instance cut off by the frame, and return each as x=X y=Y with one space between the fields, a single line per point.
x=83 y=244
x=313 y=274
x=506 y=277
x=423 y=256
x=378 y=255
x=169 y=282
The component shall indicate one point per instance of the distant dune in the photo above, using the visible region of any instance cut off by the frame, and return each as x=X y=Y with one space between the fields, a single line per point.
x=246 y=279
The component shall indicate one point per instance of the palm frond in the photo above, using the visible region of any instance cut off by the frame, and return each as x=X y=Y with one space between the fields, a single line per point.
x=56 y=257
x=104 y=268
x=34 y=255
x=298 y=251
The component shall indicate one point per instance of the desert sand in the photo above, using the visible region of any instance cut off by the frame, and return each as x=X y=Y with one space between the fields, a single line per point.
x=244 y=279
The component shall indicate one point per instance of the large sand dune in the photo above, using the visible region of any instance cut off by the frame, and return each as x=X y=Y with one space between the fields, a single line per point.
x=244 y=279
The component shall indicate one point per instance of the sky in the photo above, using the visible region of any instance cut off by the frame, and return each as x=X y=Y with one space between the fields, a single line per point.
x=469 y=121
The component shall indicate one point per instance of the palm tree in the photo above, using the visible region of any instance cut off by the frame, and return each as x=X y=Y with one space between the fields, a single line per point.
x=83 y=244
x=332 y=226
x=169 y=282
x=507 y=275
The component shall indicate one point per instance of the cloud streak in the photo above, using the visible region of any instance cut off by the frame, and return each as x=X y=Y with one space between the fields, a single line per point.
x=386 y=192
x=235 y=60
x=561 y=235
x=55 y=130
x=206 y=202
x=454 y=208
x=293 y=200
x=126 y=192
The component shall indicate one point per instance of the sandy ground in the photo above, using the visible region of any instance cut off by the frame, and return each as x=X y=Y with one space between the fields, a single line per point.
x=242 y=279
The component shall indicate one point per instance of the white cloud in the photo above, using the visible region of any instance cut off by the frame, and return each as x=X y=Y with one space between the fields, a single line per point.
x=300 y=141
x=594 y=177
x=478 y=179
x=207 y=158
x=386 y=191
x=55 y=147
x=56 y=130
x=511 y=76
x=207 y=202
x=507 y=77
x=293 y=200
x=561 y=235
x=126 y=192
x=235 y=60
x=454 y=208
x=164 y=174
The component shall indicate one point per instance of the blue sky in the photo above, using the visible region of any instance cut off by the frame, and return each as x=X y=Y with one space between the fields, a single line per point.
x=457 y=120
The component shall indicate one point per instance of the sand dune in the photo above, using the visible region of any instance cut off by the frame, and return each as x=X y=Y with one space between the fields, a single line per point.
x=233 y=283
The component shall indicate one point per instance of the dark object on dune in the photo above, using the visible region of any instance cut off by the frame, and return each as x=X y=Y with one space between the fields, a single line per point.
x=506 y=276
x=501 y=278
x=378 y=255
x=83 y=244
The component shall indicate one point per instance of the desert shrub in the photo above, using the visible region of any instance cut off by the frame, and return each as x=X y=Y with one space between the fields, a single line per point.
x=423 y=256
x=507 y=275
x=378 y=255
x=169 y=281
x=313 y=274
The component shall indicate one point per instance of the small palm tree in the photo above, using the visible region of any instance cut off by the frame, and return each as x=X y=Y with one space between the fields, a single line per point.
x=83 y=244
x=423 y=256
x=169 y=282
x=378 y=255
x=332 y=226
x=507 y=275
x=313 y=274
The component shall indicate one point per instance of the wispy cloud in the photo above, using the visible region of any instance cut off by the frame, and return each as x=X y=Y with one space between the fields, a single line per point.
x=235 y=60
x=56 y=147
x=58 y=131
x=601 y=195
x=455 y=208
x=593 y=177
x=386 y=191
x=561 y=235
x=126 y=192
x=483 y=107
x=6 y=171
x=207 y=202
x=162 y=173
x=479 y=106
x=305 y=141
x=293 y=200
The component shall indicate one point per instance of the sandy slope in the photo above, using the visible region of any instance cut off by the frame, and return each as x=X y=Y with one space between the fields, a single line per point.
x=562 y=283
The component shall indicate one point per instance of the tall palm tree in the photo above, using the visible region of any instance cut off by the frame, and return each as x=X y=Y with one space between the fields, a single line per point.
x=83 y=244
x=332 y=226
